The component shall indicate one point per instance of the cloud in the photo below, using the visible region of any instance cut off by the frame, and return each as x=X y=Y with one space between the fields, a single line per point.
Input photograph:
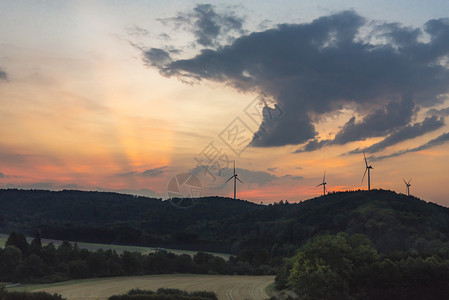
x=157 y=58
x=3 y=75
x=435 y=142
x=209 y=27
x=137 y=31
x=245 y=175
x=313 y=145
x=294 y=177
x=147 y=173
x=154 y=172
x=34 y=186
x=3 y=175
x=71 y=186
x=259 y=178
x=444 y=112
x=378 y=123
x=408 y=132
x=324 y=66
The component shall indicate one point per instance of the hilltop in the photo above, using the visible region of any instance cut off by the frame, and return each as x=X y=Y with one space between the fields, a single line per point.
x=392 y=221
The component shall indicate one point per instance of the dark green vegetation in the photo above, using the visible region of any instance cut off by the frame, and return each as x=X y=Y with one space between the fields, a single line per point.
x=391 y=221
x=101 y=217
x=23 y=262
x=165 y=294
x=349 y=267
x=5 y=295
x=354 y=245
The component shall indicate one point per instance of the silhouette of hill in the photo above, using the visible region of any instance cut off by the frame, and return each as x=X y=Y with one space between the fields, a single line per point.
x=392 y=221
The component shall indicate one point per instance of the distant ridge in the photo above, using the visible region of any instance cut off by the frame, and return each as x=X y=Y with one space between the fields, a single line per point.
x=392 y=221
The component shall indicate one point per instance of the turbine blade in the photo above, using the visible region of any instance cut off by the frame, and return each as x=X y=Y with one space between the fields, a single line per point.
x=238 y=179
x=229 y=179
x=405 y=181
x=366 y=162
x=324 y=177
x=319 y=185
x=366 y=169
x=409 y=181
x=234 y=167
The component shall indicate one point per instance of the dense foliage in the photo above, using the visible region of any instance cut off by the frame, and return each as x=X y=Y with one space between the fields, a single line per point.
x=23 y=262
x=349 y=267
x=391 y=221
x=165 y=294
x=6 y=295
x=104 y=217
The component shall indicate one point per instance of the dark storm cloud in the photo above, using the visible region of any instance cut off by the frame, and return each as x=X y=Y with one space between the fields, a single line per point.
x=208 y=26
x=326 y=65
x=435 y=142
x=408 y=132
x=148 y=173
x=2 y=175
x=3 y=75
x=376 y=124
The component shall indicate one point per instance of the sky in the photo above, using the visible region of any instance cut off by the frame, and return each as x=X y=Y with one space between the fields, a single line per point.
x=128 y=96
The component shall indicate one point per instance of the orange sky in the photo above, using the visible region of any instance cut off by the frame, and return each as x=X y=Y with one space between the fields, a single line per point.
x=80 y=109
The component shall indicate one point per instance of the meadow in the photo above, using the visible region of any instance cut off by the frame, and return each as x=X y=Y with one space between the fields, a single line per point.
x=225 y=286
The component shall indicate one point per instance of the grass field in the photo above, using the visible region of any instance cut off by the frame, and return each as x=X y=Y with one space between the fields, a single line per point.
x=226 y=287
x=118 y=248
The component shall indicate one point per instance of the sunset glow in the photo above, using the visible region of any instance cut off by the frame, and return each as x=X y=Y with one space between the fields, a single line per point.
x=122 y=97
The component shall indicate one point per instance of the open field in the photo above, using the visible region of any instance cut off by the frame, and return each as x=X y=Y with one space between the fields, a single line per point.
x=118 y=248
x=226 y=286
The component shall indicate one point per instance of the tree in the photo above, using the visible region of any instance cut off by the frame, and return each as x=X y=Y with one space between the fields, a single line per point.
x=10 y=259
x=332 y=266
x=18 y=240
x=32 y=267
x=36 y=244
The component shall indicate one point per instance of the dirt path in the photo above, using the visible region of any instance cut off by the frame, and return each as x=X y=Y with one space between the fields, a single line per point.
x=227 y=287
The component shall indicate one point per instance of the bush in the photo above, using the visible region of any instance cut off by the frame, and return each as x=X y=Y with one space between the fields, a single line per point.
x=5 y=295
x=165 y=294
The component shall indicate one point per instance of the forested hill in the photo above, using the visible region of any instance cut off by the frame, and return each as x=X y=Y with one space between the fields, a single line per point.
x=392 y=221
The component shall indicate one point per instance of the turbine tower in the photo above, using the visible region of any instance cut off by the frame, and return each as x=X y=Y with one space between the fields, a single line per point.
x=367 y=168
x=323 y=184
x=407 y=184
x=235 y=176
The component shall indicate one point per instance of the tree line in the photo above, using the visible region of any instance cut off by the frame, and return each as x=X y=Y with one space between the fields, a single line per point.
x=346 y=266
x=134 y=294
x=21 y=261
x=394 y=222
x=165 y=294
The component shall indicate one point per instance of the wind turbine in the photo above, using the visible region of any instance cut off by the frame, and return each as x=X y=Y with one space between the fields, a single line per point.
x=323 y=184
x=235 y=176
x=407 y=184
x=367 y=168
